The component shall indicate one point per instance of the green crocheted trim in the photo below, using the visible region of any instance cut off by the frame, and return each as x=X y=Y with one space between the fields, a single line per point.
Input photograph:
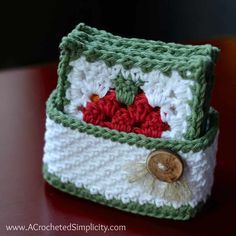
x=131 y=138
x=183 y=213
x=148 y=55
x=149 y=49
x=126 y=89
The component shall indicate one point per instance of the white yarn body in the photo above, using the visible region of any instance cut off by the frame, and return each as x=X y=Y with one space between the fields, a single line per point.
x=172 y=94
x=100 y=166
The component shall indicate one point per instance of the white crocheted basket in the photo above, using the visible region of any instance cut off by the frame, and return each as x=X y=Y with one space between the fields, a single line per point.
x=129 y=124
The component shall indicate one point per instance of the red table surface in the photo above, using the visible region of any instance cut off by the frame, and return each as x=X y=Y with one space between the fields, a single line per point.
x=27 y=199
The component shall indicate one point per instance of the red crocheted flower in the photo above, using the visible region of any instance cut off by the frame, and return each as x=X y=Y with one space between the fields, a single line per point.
x=139 y=109
x=101 y=112
x=138 y=118
x=122 y=121
x=153 y=125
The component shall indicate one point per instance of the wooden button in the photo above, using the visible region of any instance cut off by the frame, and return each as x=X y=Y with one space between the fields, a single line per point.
x=165 y=165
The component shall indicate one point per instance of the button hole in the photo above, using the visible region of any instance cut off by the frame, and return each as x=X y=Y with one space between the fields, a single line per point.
x=162 y=167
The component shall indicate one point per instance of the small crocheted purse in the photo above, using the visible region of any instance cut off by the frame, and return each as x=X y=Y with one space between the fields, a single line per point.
x=129 y=124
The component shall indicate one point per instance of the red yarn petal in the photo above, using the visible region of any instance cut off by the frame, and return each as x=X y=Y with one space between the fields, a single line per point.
x=93 y=114
x=121 y=121
x=139 y=109
x=153 y=126
x=109 y=105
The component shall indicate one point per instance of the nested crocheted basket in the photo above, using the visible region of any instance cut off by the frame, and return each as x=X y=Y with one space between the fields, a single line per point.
x=129 y=124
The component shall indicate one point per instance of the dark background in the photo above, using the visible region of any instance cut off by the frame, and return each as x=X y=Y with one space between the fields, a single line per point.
x=31 y=30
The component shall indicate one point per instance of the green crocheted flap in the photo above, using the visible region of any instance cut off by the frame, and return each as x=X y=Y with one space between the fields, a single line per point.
x=192 y=67
x=54 y=113
x=182 y=213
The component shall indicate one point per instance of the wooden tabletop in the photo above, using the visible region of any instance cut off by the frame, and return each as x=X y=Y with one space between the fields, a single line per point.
x=27 y=199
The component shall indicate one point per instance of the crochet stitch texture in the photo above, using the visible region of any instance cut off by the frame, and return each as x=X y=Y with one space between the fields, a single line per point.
x=119 y=99
x=138 y=118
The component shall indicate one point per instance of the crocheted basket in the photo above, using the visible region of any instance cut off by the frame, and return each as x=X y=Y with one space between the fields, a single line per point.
x=129 y=124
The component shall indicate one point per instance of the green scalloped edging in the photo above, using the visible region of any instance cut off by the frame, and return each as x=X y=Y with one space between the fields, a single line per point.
x=148 y=55
x=182 y=213
x=153 y=49
x=130 y=138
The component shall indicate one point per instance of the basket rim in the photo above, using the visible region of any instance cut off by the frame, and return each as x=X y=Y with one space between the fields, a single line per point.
x=195 y=145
